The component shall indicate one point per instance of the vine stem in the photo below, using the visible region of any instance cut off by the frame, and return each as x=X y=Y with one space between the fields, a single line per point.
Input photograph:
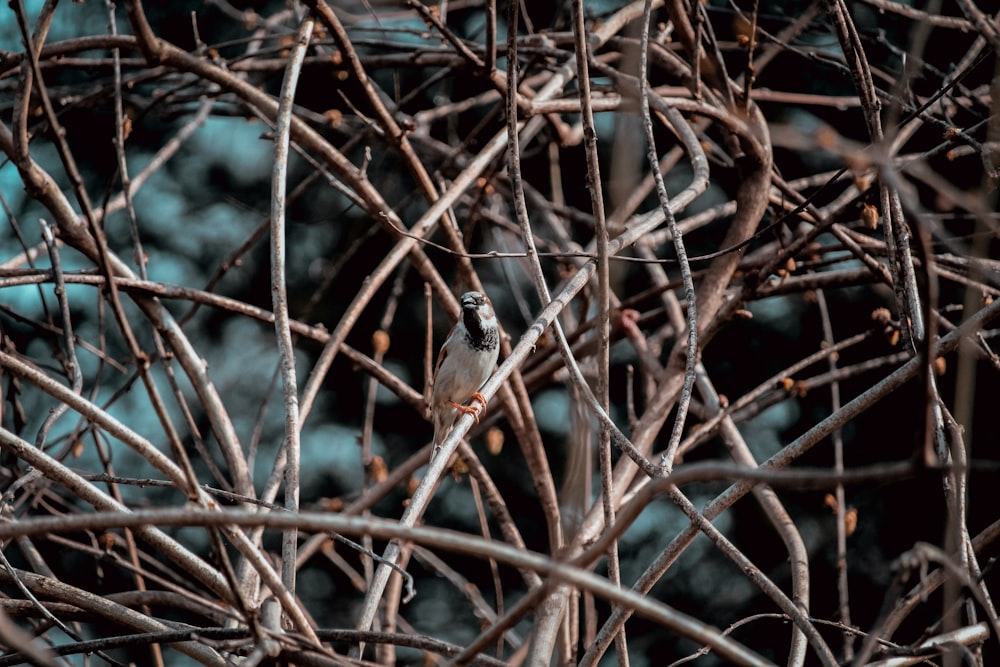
x=279 y=296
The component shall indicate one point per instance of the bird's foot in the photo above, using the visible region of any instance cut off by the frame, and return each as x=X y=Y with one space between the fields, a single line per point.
x=474 y=410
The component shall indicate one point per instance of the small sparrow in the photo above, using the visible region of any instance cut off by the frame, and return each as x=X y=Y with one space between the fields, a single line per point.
x=464 y=364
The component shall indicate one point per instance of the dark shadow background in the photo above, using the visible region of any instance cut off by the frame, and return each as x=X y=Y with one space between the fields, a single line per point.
x=207 y=201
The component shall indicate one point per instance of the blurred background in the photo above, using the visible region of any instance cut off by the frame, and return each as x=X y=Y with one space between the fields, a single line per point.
x=199 y=161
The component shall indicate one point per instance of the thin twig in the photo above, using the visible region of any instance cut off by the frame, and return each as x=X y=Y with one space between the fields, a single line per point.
x=279 y=296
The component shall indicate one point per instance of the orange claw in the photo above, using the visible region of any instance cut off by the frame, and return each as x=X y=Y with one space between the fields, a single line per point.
x=473 y=410
x=476 y=396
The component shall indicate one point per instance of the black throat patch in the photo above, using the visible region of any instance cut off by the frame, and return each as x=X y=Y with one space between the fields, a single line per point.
x=480 y=339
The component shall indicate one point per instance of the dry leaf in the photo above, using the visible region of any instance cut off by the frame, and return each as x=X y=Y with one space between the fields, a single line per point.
x=494 y=441
x=380 y=342
x=376 y=469
x=869 y=216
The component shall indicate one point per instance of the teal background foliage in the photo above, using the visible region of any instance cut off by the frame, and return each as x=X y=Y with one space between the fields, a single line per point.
x=201 y=220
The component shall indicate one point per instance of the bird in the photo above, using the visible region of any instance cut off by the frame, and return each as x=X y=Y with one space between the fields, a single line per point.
x=464 y=364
